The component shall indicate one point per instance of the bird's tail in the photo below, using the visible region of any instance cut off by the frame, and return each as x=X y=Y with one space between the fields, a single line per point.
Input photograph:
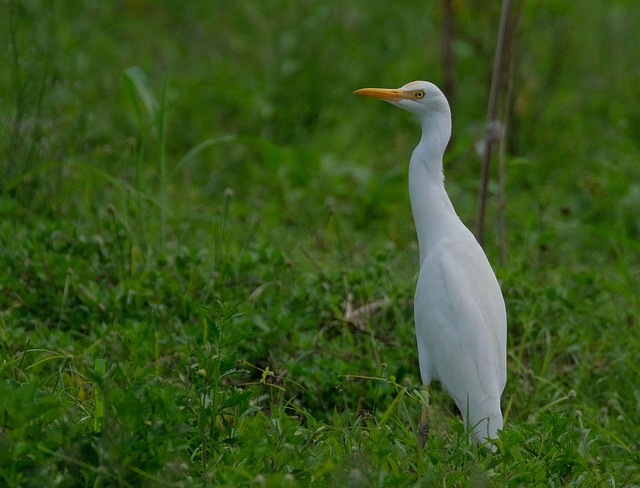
x=485 y=428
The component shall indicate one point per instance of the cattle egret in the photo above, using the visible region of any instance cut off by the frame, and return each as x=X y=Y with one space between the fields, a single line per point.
x=459 y=312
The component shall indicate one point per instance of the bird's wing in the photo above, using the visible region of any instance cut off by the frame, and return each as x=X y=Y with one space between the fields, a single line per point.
x=461 y=325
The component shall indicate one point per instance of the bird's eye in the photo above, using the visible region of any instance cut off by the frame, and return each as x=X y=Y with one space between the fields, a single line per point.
x=419 y=94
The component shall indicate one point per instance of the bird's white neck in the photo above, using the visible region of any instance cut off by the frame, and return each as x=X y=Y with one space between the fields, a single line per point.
x=433 y=213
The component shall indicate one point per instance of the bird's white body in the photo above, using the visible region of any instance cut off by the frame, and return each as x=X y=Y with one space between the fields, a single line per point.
x=459 y=311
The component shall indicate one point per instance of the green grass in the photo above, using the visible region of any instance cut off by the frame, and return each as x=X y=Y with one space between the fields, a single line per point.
x=191 y=198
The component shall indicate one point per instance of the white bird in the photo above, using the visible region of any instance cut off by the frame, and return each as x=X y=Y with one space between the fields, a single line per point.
x=459 y=311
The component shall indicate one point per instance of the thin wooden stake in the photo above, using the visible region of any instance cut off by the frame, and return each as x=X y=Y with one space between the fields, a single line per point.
x=493 y=128
x=502 y=197
x=502 y=200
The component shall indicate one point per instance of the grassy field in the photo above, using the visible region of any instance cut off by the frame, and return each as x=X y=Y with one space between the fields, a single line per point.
x=191 y=199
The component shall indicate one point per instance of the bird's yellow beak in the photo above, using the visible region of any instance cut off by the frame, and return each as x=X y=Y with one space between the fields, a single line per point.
x=388 y=94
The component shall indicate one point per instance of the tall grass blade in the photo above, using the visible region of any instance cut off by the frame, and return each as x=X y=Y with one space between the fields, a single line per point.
x=99 y=399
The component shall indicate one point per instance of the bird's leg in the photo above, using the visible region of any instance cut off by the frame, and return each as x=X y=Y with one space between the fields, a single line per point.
x=423 y=426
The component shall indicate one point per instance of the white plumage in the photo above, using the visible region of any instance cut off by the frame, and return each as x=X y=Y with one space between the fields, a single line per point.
x=460 y=317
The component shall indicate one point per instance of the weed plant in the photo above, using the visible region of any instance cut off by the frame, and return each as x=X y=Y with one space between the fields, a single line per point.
x=207 y=255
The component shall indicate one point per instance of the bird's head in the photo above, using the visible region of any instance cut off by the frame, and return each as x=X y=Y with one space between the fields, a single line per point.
x=421 y=98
